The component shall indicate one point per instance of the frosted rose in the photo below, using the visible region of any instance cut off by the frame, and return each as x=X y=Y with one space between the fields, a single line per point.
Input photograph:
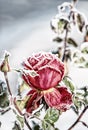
x=43 y=72
x=46 y=71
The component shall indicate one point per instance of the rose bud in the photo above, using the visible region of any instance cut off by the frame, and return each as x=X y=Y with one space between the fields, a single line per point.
x=5 y=63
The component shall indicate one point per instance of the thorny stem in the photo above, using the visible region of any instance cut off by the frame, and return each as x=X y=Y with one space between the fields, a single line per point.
x=78 y=119
x=7 y=82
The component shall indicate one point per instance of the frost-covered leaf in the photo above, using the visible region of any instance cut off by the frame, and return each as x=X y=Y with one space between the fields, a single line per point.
x=77 y=103
x=59 y=25
x=79 y=61
x=21 y=120
x=62 y=24
x=72 y=42
x=69 y=83
x=47 y=126
x=3 y=87
x=65 y=8
x=84 y=48
x=80 y=22
x=4 y=101
x=58 y=39
x=52 y=115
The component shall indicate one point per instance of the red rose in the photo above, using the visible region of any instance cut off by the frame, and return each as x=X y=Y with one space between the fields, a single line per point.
x=46 y=71
x=43 y=72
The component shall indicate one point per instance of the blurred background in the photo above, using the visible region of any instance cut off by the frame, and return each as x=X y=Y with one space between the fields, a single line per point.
x=25 y=26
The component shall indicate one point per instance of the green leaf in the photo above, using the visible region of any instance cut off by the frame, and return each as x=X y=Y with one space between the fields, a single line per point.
x=78 y=103
x=52 y=115
x=47 y=126
x=62 y=25
x=3 y=87
x=69 y=83
x=4 y=101
x=21 y=120
x=57 y=39
x=72 y=42
x=85 y=50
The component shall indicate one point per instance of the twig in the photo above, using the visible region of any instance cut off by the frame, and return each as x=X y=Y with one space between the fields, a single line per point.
x=26 y=122
x=15 y=105
x=7 y=82
x=78 y=119
x=84 y=123
x=4 y=111
x=65 y=43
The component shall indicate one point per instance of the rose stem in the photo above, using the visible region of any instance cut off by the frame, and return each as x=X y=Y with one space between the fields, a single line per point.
x=78 y=119
x=26 y=122
x=65 y=42
x=7 y=82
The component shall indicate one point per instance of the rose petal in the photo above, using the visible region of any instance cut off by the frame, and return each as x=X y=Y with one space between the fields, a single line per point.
x=59 y=98
x=32 y=81
x=48 y=78
x=66 y=98
x=52 y=97
x=34 y=101
x=57 y=65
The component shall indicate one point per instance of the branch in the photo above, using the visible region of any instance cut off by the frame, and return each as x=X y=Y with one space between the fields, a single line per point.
x=4 y=111
x=84 y=123
x=65 y=42
x=26 y=122
x=78 y=119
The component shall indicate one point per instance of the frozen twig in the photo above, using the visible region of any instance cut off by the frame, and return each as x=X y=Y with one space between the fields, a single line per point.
x=78 y=119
